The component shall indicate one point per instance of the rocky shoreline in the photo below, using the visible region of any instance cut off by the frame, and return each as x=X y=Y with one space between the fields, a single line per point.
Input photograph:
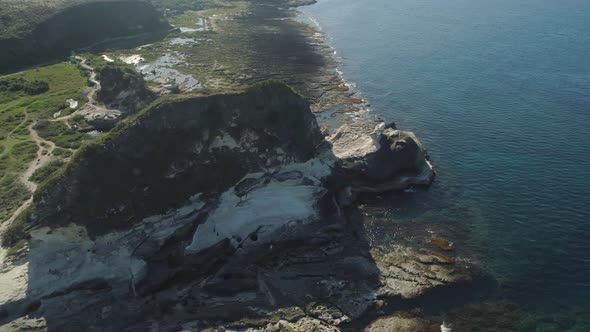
x=234 y=212
x=247 y=251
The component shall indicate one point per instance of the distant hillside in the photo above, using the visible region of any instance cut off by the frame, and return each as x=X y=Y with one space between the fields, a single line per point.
x=37 y=31
x=18 y=18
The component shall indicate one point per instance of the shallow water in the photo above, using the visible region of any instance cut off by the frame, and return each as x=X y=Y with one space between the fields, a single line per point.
x=499 y=92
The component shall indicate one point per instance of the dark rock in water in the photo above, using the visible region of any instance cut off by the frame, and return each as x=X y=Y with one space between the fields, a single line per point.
x=378 y=158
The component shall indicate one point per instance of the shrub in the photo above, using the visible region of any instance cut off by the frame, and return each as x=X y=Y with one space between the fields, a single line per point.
x=18 y=84
x=17 y=230
x=46 y=171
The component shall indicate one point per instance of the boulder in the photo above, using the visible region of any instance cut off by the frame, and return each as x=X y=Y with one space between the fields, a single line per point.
x=377 y=157
x=402 y=323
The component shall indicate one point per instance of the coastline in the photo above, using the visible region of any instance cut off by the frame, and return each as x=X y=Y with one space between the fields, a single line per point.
x=464 y=220
x=387 y=278
x=463 y=302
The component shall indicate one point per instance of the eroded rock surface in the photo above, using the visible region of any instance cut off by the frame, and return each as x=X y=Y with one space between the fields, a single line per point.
x=123 y=89
x=379 y=157
x=227 y=212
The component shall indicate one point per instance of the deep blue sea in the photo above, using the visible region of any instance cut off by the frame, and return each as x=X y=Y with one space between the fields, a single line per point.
x=499 y=92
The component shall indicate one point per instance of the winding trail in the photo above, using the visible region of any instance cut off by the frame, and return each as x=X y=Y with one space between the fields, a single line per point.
x=45 y=148
x=93 y=108
x=96 y=87
x=92 y=103
x=43 y=157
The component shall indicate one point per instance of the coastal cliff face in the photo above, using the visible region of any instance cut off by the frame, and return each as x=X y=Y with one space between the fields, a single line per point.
x=123 y=89
x=52 y=31
x=201 y=211
x=176 y=149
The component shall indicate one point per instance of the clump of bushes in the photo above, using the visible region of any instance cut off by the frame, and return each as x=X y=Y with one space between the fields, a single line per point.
x=46 y=171
x=18 y=84
x=62 y=153
x=18 y=230
x=60 y=134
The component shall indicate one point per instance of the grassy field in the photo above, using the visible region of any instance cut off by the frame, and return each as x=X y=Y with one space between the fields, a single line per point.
x=18 y=110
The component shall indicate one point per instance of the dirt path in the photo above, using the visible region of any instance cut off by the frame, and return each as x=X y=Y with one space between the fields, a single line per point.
x=44 y=152
x=93 y=108
x=91 y=93
x=43 y=157
x=96 y=87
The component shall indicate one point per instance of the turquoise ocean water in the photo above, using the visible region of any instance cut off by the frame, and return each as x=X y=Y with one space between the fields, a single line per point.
x=499 y=92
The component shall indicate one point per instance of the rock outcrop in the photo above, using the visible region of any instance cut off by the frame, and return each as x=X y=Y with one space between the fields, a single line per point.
x=377 y=157
x=123 y=89
x=176 y=149
x=203 y=211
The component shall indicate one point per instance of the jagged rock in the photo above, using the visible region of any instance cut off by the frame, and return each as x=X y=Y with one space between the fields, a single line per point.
x=122 y=89
x=280 y=203
x=100 y=118
x=408 y=273
x=25 y=324
x=259 y=217
x=328 y=314
x=400 y=323
x=379 y=158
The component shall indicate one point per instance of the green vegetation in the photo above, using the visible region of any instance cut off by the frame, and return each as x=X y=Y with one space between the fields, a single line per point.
x=21 y=17
x=40 y=31
x=19 y=109
x=59 y=133
x=12 y=195
x=190 y=18
x=16 y=248
x=19 y=84
x=224 y=44
x=94 y=60
x=18 y=230
x=62 y=153
x=176 y=7
x=100 y=174
x=46 y=171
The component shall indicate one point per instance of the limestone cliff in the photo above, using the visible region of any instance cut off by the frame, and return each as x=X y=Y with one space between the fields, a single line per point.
x=227 y=211
x=178 y=148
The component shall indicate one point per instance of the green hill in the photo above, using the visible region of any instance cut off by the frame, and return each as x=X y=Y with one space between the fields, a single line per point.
x=37 y=31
